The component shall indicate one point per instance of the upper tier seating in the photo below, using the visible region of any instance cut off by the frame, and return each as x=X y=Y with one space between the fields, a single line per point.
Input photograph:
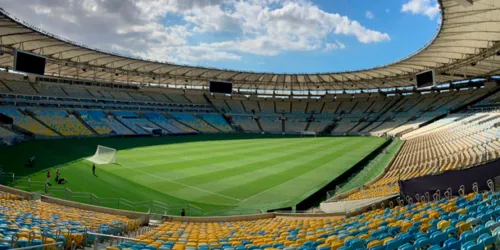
x=330 y=107
x=247 y=123
x=299 y=107
x=62 y=122
x=454 y=143
x=251 y=106
x=159 y=97
x=197 y=99
x=178 y=99
x=266 y=107
x=117 y=95
x=27 y=122
x=49 y=89
x=76 y=91
x=140 y=96
x=220 y=104
x=217 y=121
x=195 y=123
x=469 y=223
x=236 y=107
x=20 y=87
x=3 y=88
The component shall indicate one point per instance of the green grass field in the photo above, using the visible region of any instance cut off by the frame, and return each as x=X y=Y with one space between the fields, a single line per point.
x=217 y=173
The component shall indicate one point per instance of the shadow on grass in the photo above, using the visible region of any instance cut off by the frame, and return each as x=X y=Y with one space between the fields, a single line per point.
x=50 y=153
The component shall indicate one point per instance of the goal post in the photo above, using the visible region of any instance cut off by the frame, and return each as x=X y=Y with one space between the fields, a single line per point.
x=308 y=133
x=103 y=155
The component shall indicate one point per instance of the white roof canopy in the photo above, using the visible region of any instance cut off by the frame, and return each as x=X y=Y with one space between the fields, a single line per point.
x=465 y=46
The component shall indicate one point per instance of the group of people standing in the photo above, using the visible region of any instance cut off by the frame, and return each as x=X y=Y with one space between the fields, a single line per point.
x=58 y=179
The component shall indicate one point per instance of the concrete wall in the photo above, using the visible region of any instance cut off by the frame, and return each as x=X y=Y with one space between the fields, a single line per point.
x=253 y=217
x=143 y=217
x=24 y=194
x=220 y=218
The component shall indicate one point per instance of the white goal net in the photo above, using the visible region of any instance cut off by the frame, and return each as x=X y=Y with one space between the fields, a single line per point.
x=103 y=155
x=308 y=133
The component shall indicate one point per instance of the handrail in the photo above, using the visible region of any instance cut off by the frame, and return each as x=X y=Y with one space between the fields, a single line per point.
x=112 y=236
x=59 y=244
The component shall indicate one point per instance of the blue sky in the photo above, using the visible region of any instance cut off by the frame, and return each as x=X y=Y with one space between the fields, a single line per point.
x=293 y=36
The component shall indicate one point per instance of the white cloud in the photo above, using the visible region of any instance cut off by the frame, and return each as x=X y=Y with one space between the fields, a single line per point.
x=137 y=27
x=334 y=46
x=428 y=8
x=369 y=14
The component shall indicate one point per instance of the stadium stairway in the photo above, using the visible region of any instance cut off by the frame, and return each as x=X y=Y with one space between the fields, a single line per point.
x=109 y=113
x=179 y=121
x=258 y=124
x=151 y=120
x=211 y=125
x=32 y=115
x=79 y=118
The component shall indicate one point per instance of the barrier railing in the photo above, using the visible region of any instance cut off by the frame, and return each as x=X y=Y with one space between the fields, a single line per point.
x=57 y=245
x=151 y=206
x=100 y=241
x=362 y=175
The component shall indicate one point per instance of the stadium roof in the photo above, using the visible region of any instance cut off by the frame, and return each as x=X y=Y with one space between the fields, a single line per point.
x=466 y=46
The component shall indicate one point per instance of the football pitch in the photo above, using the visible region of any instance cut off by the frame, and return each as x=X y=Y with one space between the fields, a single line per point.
x=215 y=173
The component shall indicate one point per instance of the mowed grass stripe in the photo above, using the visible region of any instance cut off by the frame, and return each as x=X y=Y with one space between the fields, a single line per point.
x=193 y=145
x=285 y=153
x=193 y=163
x=194 y=149
x=241 y=185
x=162 y=160
x=233 y=161
x=168 y=186
x=202 y=197
x=300 y=166
x=308 y=180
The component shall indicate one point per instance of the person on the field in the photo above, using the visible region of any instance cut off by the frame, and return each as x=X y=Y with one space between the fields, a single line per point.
x=31 y=162
x=62 y=180
x=93 y=169
x=57 y=175
x=48 y=178
x=183 y=213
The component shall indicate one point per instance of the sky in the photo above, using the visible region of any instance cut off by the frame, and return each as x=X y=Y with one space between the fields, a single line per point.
x=280 y=36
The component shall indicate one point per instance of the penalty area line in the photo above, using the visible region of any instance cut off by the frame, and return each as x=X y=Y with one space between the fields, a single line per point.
x=182 y=184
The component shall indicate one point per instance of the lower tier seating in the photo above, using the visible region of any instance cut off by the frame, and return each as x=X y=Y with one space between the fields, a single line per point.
x=217 y=121
x=62 y=122
x=195 y=123
x=271 y=124
x=247 y=123
x=469 y=222
x=34 y=222
x=27 y=122
x=456 y=142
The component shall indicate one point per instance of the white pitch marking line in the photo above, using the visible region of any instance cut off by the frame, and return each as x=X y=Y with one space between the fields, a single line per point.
x=182 y=184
